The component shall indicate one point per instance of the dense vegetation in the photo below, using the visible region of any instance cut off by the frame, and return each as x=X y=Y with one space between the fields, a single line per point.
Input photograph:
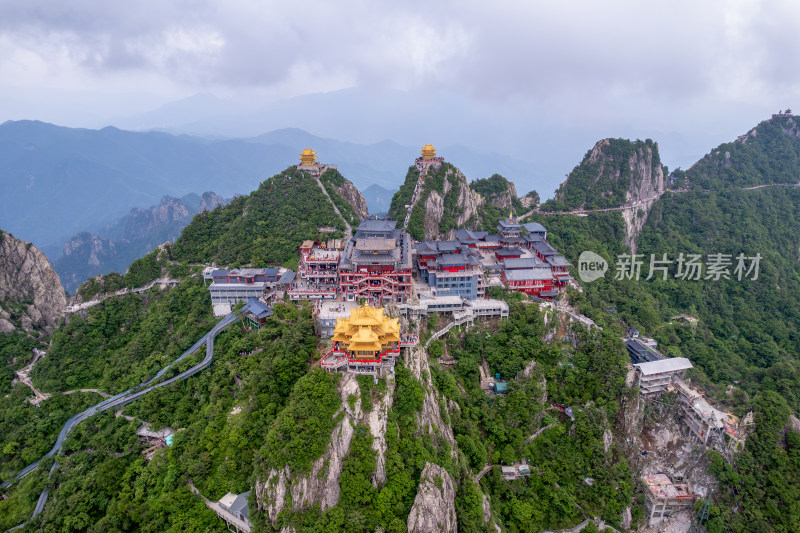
x=495 y=429
x=747 y=332
x=263 y=405
x=223 y=415
x=402 y=198
x=265 y=227
x=496 y=192
x=124 y=340
x=331 y=179
x=449 y=178
x=770 y=154
x=27 y=432
x=604 y=176
x=141 y=272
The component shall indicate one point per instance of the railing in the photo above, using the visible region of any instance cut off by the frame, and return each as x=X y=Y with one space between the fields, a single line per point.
x=408 y=341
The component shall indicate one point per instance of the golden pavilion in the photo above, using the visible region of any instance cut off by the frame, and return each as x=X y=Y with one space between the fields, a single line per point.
x=308 y=158
x=367 y=334
x=428 y=152
x=368 y=342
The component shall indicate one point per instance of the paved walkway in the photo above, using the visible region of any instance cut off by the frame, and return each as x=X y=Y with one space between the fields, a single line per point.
x=85 y=305
x=348 y=233
x=221 y=512
x=643 y=201
x=130 y=395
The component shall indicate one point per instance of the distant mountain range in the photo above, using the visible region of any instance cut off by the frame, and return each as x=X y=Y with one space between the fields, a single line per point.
x=113 y=247
x=56 y=182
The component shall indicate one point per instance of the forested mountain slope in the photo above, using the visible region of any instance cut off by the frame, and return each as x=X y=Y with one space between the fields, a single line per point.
x=745 y=344
x=422 y=447
x=263 y=227
x=613 y=173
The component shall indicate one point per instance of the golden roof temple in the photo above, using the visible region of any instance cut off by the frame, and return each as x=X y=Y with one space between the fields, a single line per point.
x=428 y=151
x=308 y=157
x=367 y=332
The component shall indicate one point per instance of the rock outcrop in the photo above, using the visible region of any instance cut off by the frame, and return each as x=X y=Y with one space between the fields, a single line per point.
x=616 y=173
x=115 y=246
x=455 y=206
x=377 y=419
x=321 y=484
x=434 y=506
x=210 y=201
x=31 y=295
x=353 y=196
x=430 y=419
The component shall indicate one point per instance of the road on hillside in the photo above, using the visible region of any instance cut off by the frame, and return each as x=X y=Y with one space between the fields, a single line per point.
x=129 y=396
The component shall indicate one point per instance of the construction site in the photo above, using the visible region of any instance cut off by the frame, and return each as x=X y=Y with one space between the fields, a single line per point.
x=674 y=424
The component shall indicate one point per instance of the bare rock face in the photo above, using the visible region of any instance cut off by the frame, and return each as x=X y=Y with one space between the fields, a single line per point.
x=430 y=418
x=464 y=211
x=321 y=484
x=377 y=419
x=28 y=280
x=353 y=196
x=434 y=506
x=434 y=211
x=210 y=201
x=504 y=198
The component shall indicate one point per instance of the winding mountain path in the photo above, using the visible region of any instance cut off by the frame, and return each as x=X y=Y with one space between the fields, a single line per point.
x=85 y=305
x=643 y=201
x=348 y=234
x=128 y=396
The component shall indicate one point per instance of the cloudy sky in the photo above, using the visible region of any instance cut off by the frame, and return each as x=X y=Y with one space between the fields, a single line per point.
x=686 y=73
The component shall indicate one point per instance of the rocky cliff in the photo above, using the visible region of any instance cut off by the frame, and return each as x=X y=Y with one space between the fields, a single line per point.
x=442 y=200
x=116 y=245
x=348 y=199
x=445 y=202
x=321 y=485
x=615 y=173
x=353 y=196
x=434 y=506
x=31 y=295
x=497 y=191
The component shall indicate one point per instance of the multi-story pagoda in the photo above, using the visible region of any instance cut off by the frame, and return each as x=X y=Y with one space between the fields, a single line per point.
x=428 y=158
x=366 y=342
x=376 y=264
x=308 y=162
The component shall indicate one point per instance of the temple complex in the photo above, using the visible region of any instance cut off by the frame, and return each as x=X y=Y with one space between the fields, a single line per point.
x=366 y=343
x=317 y=271
x=376 y=264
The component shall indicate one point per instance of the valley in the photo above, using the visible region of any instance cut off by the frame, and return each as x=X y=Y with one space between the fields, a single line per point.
x=443 y=369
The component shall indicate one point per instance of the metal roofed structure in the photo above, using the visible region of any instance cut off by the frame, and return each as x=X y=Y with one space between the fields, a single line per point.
x=656 y=376
x=377 y=225
x=640 y=352
x=515 y=263
x=534 y=227
x=528 y=274
x=661 y=366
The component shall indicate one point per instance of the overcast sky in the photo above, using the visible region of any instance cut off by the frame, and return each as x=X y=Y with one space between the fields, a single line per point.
x=627 y=67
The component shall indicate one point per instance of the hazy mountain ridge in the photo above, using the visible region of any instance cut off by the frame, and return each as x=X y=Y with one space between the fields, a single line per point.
x=56 y=182
x=115 y=246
